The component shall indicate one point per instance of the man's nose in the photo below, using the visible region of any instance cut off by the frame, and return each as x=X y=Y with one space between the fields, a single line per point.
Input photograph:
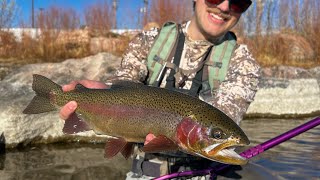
x=224 y=6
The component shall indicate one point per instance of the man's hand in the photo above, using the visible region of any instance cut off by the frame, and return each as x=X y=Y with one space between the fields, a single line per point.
x=71 y=106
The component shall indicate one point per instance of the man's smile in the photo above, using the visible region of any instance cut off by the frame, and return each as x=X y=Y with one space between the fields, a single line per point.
x=217 y=16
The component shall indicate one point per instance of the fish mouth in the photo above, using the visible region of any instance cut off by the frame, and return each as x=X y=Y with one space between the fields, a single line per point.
x=225 y=153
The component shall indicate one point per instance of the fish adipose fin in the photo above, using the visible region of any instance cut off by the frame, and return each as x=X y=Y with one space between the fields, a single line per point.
x=80 y=87
x=74 y=125
x=114 y=146
x=159 y=144
x=118 y=84
x=41 y=102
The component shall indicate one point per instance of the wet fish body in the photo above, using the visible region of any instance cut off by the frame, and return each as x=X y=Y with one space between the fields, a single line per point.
x=130 y=111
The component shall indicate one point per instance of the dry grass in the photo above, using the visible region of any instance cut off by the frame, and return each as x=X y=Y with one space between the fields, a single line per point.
x=60 y=37
x=46 y=49
x=283 y=49
x=42 y=49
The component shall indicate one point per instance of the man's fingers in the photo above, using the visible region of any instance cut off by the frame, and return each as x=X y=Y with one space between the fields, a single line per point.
x=68 y=109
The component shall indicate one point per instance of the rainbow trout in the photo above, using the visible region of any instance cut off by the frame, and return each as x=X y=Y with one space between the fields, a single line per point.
x=129 y=111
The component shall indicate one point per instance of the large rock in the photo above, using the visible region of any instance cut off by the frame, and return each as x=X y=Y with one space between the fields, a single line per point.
x=284 y=98
x=287 y=92
x=284 y=92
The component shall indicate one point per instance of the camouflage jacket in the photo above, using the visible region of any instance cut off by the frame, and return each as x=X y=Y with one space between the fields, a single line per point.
x=233 y=95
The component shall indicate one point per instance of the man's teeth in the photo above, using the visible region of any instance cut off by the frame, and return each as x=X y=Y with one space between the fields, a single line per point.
x=216 y=16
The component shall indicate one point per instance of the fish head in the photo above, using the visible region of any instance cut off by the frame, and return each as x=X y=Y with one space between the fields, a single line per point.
x=216 y=143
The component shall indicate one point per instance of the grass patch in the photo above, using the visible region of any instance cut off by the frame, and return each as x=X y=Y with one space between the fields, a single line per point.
x=56 y=47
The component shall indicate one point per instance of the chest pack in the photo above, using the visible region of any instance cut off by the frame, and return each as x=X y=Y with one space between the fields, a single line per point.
x=169 y=45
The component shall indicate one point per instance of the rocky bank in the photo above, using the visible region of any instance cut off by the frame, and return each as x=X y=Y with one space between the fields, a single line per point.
x=284 y=92
x=287 y=92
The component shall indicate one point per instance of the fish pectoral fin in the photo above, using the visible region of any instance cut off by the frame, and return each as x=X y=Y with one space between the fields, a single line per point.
x=114 y=146
x=74 y=125
x=159 y=144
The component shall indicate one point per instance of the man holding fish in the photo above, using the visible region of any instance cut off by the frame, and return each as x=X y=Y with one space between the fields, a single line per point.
x=199 y=58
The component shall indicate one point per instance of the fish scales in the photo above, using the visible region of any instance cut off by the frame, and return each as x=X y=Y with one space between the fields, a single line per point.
x=163 y=106
x=131 y=111
x=161 y=114
x=145 y=97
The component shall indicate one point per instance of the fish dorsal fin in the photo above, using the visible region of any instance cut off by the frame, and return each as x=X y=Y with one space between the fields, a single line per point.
x=114 y=146
x=159 y=144
x=74 y=125
x=125 y=84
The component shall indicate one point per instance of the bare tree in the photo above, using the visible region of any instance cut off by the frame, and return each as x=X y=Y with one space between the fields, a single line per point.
x=270 y=14
x=99 y=16
x=51 y=22
x=57 y=18
x=168 y=10
x=259 y=15
x=8 y=11
x=69 y=19
x=284 y=11
x=248 y=20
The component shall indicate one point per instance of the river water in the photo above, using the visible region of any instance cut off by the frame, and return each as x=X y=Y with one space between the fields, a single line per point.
x=298 y=158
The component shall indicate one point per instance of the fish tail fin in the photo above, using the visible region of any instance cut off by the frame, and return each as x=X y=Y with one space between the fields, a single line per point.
x=41 y=102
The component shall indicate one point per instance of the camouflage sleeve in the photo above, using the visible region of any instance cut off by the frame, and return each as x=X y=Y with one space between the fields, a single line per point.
x=134 y=62
x=240 y=86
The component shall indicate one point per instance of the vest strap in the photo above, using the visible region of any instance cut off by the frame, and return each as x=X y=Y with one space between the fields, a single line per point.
x=198 y=79
x=169 y=44
x=219 y=60
x=160 y=52
x=171 y=83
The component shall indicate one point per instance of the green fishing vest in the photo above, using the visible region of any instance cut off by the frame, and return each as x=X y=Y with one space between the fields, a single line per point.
x=163 y=47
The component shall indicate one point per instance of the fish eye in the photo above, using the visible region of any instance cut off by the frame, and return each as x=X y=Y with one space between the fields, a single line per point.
x=217 y=133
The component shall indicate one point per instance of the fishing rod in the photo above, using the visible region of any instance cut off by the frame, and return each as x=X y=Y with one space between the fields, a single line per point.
x=252 y=152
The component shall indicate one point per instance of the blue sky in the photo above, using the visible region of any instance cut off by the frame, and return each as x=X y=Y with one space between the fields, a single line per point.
x=127 y=9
